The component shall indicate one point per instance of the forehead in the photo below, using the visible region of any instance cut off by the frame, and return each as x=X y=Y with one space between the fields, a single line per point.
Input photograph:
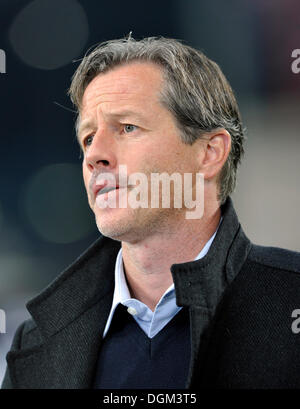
x=136 y=81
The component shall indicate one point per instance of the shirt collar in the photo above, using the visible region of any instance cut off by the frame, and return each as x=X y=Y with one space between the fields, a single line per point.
x=121 y=292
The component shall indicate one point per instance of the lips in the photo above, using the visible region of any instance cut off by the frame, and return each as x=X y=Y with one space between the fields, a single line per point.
x=107 y=189
x=103 y=188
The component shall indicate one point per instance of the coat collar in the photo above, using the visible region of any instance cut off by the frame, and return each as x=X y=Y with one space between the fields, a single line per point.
x=201 y=283
x=85 y=282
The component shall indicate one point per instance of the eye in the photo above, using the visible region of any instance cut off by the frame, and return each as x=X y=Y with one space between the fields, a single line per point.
x=88 y=140
x=129 y=128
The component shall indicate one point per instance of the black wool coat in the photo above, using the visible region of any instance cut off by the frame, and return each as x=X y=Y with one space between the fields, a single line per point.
x=240 y=298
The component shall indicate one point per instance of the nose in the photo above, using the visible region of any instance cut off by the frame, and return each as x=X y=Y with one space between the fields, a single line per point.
x=101 y=152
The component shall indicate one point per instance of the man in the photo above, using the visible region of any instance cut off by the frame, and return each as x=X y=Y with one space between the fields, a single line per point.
x=161 y=300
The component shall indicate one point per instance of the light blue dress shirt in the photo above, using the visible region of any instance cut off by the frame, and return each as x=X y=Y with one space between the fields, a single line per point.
x=151 y=322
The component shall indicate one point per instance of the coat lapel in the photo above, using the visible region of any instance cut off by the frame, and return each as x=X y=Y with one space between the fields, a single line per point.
x=70 y=316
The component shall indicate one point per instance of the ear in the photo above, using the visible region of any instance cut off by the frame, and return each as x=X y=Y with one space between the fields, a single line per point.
x=216 y=150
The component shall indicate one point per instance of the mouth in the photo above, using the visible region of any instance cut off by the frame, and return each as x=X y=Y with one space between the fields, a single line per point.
x=101 y=189
x=106 y=189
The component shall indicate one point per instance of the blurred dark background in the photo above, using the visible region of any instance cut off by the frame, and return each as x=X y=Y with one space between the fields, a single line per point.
x=45 y=222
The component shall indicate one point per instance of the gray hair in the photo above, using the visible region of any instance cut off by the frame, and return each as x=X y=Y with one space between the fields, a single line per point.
x=195 y=91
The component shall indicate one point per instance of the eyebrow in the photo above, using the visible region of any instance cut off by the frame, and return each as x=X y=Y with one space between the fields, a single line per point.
x=82 y=126
x=89 y=123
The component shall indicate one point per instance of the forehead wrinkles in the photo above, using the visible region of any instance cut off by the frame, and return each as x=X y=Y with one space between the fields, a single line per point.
x=100 y=102
x=133 y=80
x=113 y=88
x=119 y=103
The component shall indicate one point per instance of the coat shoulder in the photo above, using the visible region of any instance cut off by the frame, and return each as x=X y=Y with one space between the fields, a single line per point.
x=25 y=337
x=275 y=258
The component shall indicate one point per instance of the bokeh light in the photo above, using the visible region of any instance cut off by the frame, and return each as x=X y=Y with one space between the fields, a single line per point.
x=48 y=34
x=19 y=272
x=55 y=204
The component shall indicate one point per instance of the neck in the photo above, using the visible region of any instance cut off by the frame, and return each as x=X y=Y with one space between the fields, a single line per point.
x=147 y=262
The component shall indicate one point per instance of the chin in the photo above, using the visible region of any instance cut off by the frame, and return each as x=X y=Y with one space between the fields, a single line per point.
x=115 y=226
x=109 y=231
x=131 y=225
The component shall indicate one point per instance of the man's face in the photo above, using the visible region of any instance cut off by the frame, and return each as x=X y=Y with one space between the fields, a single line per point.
x=122 y=122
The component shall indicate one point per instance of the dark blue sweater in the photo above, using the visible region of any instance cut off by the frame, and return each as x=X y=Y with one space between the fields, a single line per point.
x=129 y=359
